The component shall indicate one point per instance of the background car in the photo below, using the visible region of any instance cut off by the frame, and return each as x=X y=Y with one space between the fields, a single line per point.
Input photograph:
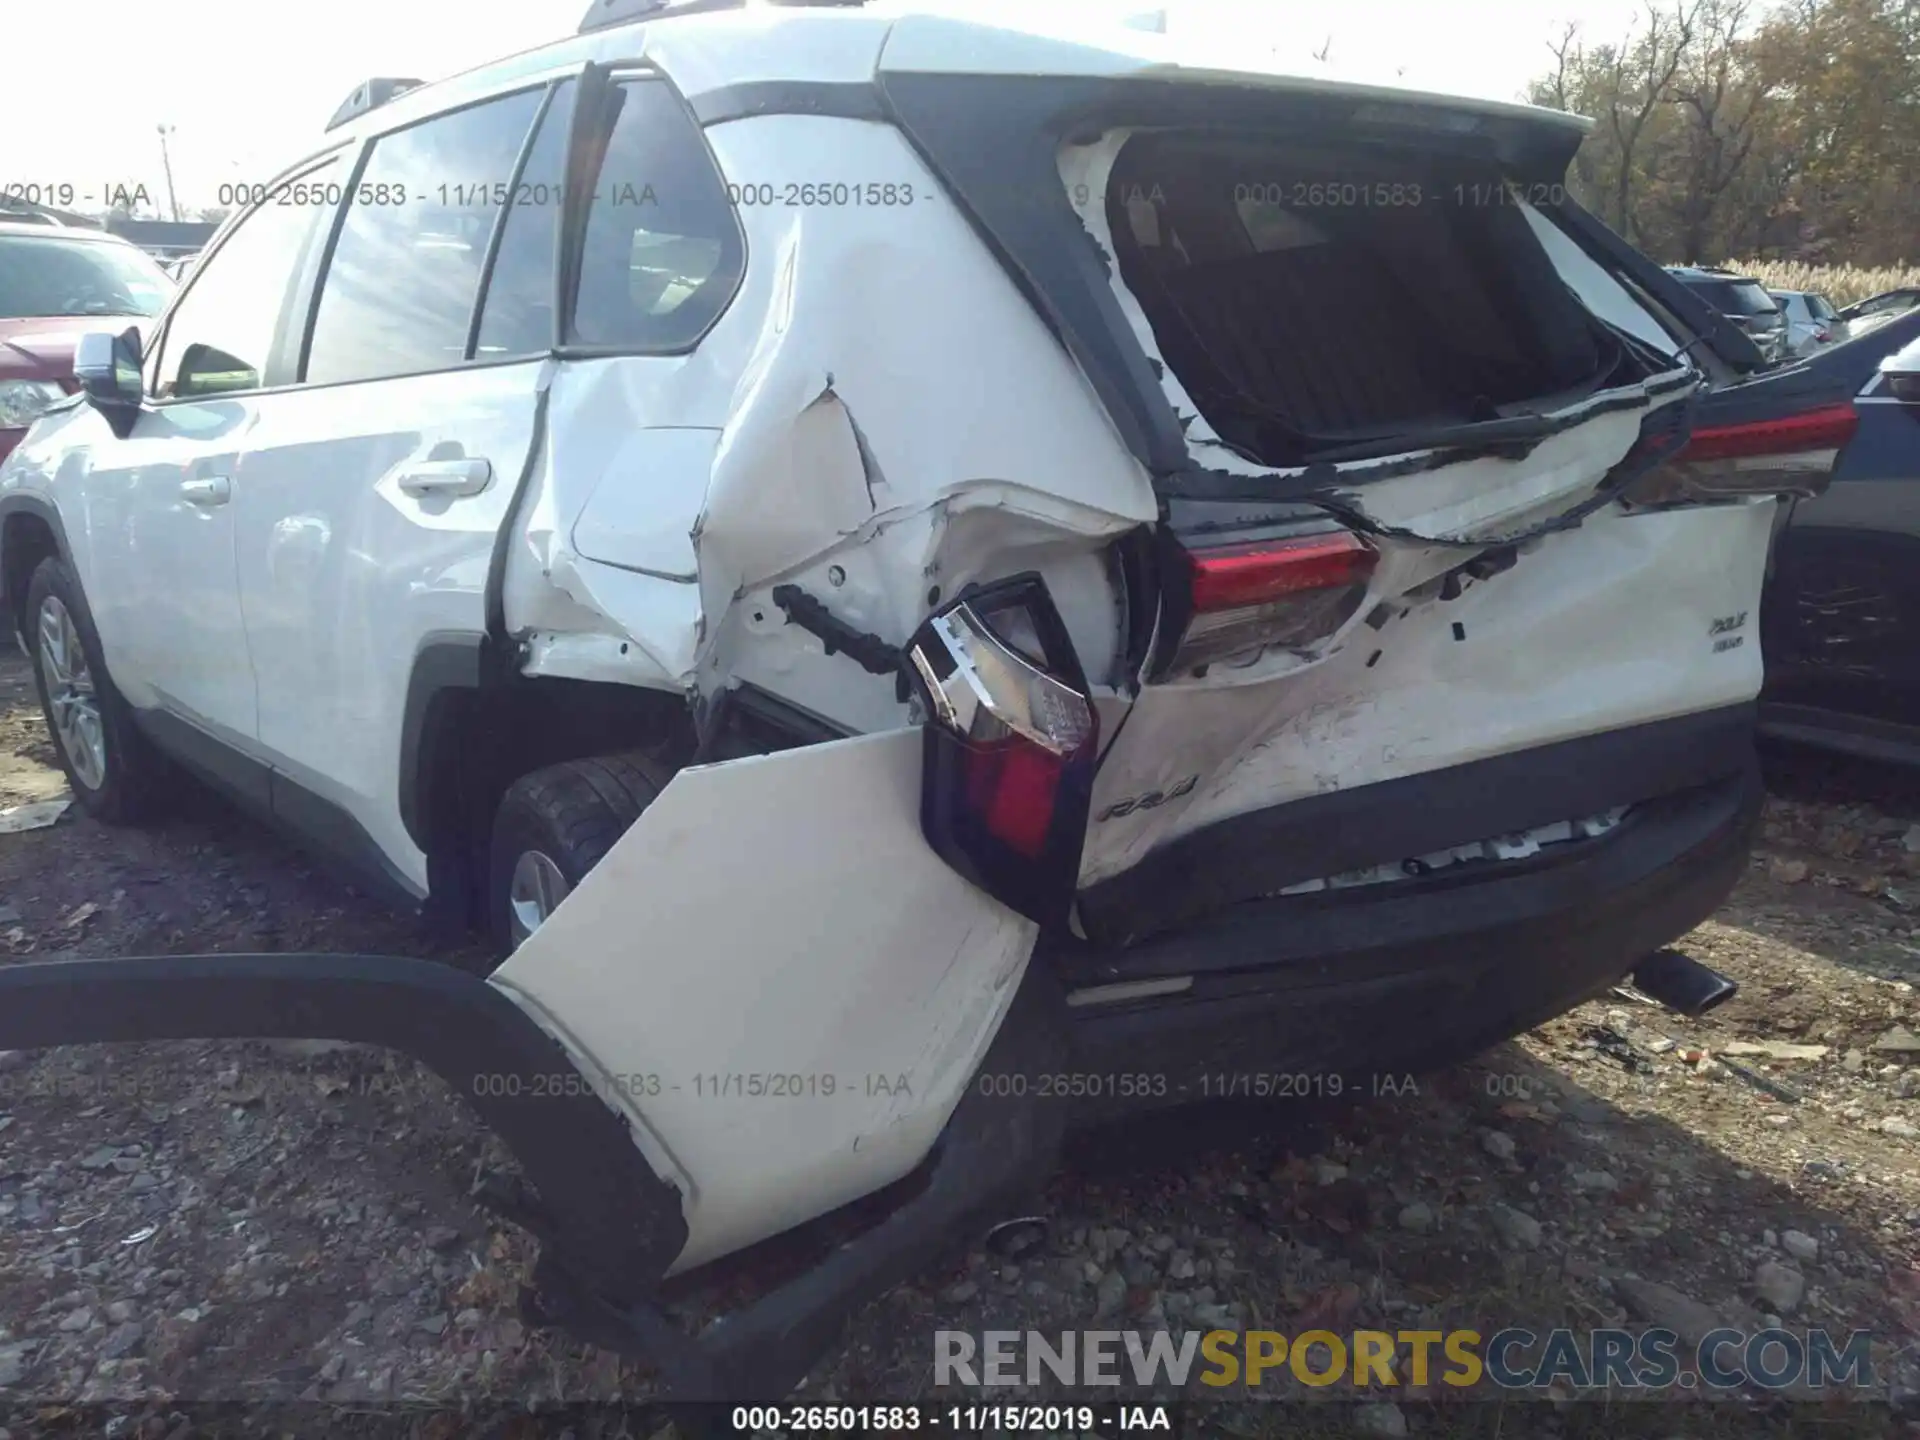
x=1743 y=300
x=1877 y=310
x=56 y=283
x=1840 y=622
x=1811 y=320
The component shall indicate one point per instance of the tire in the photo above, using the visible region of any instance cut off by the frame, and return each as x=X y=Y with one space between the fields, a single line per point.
x=566 y=817
x=115 y=773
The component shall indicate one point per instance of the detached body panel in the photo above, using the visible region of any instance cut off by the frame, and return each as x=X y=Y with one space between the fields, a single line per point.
x=786 y=985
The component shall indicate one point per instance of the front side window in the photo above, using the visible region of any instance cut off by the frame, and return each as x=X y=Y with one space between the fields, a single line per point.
x=57 y=275
x=222 y=330
x=663 y=253
x=399 y=291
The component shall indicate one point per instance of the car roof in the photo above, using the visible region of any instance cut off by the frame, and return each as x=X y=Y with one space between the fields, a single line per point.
x=716 y=49
x=1703 y=272
x=60 y=232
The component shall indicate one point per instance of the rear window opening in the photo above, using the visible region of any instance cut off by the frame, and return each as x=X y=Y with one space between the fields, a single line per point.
x=1737 y=297
x=1330 y=302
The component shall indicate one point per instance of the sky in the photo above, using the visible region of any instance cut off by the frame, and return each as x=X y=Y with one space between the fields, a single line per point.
x=246 y=85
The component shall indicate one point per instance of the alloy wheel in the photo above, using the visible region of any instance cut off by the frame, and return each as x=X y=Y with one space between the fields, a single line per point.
x=535 y=892
x=71 y=697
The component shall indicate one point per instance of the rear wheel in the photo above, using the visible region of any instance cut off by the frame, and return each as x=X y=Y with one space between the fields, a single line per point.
x=555 y=825
x=114 y=772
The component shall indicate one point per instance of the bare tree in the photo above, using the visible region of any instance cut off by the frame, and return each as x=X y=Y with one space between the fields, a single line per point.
x=1721 y=104
x=1641 y=82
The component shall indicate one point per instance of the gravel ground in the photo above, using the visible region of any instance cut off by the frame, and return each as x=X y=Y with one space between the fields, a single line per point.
x=261 y=1222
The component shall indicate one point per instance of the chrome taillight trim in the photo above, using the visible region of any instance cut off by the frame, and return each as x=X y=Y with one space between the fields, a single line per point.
x=981 y=688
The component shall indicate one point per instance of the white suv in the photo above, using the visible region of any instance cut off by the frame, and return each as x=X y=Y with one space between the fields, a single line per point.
x=935 y=582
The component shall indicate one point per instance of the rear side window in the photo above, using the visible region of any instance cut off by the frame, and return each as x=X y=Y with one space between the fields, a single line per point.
x=221 y=333
x=399 y=291
x=663 y=253
x=1821 y=309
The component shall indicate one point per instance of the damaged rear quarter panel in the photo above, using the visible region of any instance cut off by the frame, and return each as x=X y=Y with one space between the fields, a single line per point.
x=891 y=419
x=1605 y=626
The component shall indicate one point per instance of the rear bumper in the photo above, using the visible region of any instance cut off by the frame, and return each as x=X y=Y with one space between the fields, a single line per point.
x=1196 y=883
x=1362 y=983
x=1317 y=995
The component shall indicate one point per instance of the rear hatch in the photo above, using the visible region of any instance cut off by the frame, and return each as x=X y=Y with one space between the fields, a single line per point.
x=1416 y=423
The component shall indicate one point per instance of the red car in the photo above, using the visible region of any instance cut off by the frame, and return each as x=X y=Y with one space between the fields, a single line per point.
x=56 y=283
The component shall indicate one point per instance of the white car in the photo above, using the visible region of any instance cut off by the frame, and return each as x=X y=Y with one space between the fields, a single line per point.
x=930 y=582
x=1811 y=321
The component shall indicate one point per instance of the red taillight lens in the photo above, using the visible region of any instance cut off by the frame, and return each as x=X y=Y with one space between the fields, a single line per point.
x=1011 y=785
x=1012 y=737
x=1259 y=574
x=1791 y=455
x=1243 y=599
x=1827 y=428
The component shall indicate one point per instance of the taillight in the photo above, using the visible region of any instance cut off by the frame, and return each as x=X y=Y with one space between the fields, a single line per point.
x=1240 y=600
x=1010 y=748
x=1791 y=455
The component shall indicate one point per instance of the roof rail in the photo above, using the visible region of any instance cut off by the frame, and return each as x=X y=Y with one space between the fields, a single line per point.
x=371 y=95
x=606 y=14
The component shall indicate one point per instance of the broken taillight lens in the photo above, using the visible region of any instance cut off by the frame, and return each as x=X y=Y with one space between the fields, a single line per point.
x=1010 y=748
x=1243 y=599
x=1789 y=455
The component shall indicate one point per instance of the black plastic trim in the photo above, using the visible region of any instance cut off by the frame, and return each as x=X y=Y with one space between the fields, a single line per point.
x=240 y=777
x=499 y=228
x=280 y=802
x=26 y=503
x=1328 y=994
x=1256 y=854
x=370 y=95
x=446 y=660
x=500 y=654
x=612 y=1221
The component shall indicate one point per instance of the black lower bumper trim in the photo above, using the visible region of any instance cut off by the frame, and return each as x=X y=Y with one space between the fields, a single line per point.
x=1302 y=1000
x=601 y=1210
x=991 y=1161
x=1259 y=853
x=609 y=1227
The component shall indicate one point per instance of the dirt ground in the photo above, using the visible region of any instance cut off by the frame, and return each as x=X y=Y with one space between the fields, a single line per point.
x=289 y=1222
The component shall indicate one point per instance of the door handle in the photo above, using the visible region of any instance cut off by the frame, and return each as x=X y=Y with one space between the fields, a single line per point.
x=446 y=477
x=208 y=490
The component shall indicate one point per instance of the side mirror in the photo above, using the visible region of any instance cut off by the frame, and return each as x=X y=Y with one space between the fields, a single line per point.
x=108 y=369
x=1902 y=372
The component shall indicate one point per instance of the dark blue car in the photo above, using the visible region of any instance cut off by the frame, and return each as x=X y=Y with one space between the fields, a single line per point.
x=1841 y=619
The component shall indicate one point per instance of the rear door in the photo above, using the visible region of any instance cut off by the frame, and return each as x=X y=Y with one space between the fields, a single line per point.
x=369 y=495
